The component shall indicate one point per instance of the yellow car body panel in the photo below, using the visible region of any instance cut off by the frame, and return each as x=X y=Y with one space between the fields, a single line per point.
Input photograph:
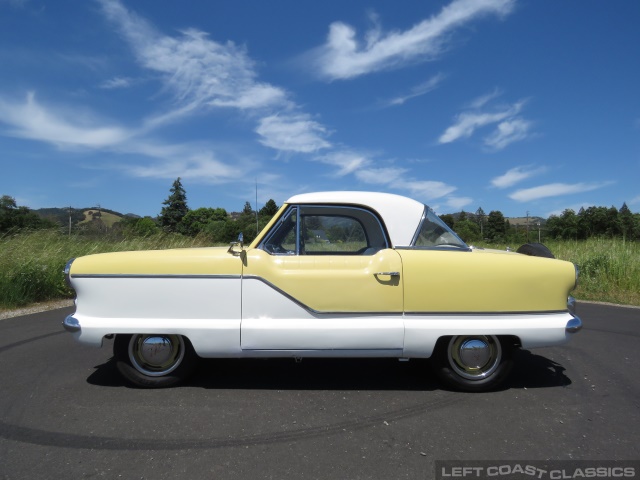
x=333 y=283
x=484 y=281
x=187 y=261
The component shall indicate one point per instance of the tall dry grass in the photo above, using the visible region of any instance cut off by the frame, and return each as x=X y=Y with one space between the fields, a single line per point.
x=31 y=264
x=609 y=268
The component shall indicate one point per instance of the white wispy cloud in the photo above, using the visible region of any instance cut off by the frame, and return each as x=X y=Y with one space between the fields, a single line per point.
x=458 y=203
x=197 y=70
x=200 y=166
x=68 y=128
x=516 y=175
x=418 y=90
x=117 y=82
x=400 y=179
x=381 y=176
x=508 y=132
x=482 y=100
x=346 y=161
x=344 y=56
x=31 y=120
x=554 y=190
x=292 y=133
x=508 y=124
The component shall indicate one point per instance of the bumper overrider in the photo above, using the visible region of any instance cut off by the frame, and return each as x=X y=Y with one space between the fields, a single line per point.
x=575 y=324
x=71 y=324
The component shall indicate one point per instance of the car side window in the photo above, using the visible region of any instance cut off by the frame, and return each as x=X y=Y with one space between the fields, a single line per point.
x=326 y=234
x=326 y=230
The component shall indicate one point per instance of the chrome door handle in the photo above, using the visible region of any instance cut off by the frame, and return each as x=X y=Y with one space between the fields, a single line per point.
x=391 y=274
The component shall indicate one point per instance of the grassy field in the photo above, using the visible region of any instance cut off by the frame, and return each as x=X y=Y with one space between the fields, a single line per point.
x=31 y=264
x=609 y=268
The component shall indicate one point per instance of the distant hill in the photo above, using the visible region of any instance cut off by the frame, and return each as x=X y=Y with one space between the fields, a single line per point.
x=82 y=215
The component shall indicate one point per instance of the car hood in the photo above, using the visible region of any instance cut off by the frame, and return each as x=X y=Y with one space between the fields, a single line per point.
x=183 y=261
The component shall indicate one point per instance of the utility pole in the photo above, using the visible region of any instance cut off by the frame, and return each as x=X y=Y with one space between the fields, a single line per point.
x=257 y=224
x=527 y=225
x=70 y=220
x=538 y=232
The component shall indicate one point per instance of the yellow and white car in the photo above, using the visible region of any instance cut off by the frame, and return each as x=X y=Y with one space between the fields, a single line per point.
x=334 y=274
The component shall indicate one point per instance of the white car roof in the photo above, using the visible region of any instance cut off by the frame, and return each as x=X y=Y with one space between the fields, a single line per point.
x=401 y=215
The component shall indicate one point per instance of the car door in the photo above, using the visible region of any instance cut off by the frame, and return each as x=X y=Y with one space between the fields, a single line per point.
x=324 y=278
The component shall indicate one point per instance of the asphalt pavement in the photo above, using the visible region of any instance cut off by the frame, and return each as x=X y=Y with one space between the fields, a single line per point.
x=66 y=413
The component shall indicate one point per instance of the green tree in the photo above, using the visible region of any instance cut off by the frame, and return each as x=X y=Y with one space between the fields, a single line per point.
x=468 y=231
x=625 y=219
x=496 y=227
x=246 y=223
x=175 y=208
x=247 y=210
x=270 y=209
x=480 y=218
x=448 y=219
x=196 y=221
x=14 y=217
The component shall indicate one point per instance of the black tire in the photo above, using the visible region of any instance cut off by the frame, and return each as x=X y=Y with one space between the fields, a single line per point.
x=535 y=250
x=473 y=363
x=154 y=360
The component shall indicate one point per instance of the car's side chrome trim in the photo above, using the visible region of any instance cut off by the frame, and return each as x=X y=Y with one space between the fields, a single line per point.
x=308 y=308
x=140 y=275
x=439 y=248
x=486 y=314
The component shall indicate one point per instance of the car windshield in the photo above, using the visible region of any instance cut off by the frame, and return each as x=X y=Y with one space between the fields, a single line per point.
x=434 y=233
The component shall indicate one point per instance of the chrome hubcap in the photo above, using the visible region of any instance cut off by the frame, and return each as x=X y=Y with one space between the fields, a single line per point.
x=156 y=355
x=474 y=357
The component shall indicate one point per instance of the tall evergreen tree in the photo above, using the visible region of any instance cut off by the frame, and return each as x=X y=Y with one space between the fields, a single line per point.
x=625 y=218
x=480 y=219
x=270 y=208
x=175 y=208
x=496 y=227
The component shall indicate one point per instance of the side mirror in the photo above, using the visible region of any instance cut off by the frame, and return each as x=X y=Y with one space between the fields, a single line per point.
x=236 y=247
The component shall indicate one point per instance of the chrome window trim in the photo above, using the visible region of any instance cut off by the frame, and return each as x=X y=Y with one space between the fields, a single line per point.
x=300 y=207
x=425 y=213
x=285 y=215
x=422 y=219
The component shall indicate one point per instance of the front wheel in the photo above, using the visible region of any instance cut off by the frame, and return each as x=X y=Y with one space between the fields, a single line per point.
x=473 y=363
x=154 y=360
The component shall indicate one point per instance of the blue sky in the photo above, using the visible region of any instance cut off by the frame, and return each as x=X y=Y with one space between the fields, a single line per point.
x=511 y=105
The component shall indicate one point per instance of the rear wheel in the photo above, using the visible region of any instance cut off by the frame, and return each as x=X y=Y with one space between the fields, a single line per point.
x=473 y=363
x=154 y=360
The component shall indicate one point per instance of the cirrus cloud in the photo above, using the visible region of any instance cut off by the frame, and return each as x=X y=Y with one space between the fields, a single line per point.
x=516 y=175
x=344 y=56
x=555 y=190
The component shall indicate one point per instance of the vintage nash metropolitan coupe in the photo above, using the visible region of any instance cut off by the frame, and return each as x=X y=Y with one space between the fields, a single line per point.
x=334 y=274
